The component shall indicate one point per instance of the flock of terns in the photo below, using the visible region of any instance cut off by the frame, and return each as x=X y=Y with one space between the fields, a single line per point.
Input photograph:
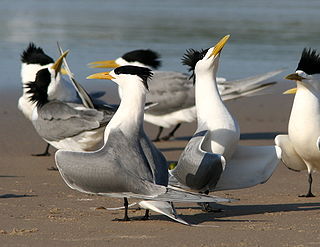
x=104 y=150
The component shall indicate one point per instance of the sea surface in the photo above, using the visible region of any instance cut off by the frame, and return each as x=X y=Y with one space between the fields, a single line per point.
x=265 y=35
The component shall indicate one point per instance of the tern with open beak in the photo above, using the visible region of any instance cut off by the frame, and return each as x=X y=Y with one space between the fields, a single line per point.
x=70 y=126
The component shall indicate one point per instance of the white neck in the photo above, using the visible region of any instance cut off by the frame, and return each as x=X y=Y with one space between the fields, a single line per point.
x=129 y=116
x=213 y=116
x=305 y=108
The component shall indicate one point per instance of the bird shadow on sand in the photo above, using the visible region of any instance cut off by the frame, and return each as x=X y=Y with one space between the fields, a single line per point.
x=15 y=196
x=245 y=136
x=8 y=176
x=234 y=211
x=171 y=149
x=247 y=210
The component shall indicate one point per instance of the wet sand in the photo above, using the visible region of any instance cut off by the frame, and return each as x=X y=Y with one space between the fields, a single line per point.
x=38 y=209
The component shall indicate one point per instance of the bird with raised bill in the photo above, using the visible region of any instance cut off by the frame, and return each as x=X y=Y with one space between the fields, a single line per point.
x=128 y=165
x=34 y=59
x=64 y=125
x=213 y=159
x=174 y=91
x=301 y=147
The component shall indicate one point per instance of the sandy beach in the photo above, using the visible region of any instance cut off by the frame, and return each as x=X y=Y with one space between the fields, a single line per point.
x=38 y=209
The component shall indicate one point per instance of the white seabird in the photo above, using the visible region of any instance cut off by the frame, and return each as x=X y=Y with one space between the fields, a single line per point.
x=70 y=126
x=33 y=59
x=174 y=91
x=300 y=148
x=213 y=159
x=128 y=165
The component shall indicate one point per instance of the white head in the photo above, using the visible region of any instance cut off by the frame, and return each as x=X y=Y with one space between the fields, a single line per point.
x=204 y=61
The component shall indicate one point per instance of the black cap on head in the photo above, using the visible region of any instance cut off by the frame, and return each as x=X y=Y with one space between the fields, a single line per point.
x=38 y=89
x=146 y=57
x=309 y=62
x=35 y=55
x=142 y=72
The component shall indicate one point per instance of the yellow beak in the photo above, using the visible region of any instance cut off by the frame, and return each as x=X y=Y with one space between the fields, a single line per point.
x=294 y=77
x=104 y=64
x=290 y=91
x=102 y=75
x=58 y=63
x=218 y=47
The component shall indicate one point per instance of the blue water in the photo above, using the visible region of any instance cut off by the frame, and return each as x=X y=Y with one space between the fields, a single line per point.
x=265 y=35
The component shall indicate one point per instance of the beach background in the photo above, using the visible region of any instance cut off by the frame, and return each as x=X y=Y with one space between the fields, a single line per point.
x=38 y=209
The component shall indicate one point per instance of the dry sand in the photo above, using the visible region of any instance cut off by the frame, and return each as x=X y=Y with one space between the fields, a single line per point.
x=38 y=209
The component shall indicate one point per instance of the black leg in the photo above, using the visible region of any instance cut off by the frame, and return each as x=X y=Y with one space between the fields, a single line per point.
x=146 y=216
x=206 y=207
x=45 y=153
x=126 y=217
x=157 y=139
x=171 y=134
x=309 y=194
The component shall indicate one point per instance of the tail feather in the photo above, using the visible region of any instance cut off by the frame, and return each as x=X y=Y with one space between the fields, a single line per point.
x=164 y=208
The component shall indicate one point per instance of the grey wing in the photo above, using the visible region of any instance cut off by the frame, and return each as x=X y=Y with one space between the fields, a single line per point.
x=171 y=91
x=118 y=167
x=246 y=86
x=58 y=120
x=156 y=160
x=197 y=169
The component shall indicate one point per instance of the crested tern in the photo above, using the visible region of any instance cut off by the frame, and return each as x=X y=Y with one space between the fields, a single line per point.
x=213 y=160
x=64 y=125
x=300 y=148
x=174 y=91
x=128 y=165
x=33 y=59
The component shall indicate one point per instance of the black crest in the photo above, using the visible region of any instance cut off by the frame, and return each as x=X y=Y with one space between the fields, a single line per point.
x=35 y=55
x=147 y=57
x=142 y=72
x=309 y=62
x=38 y=89
x=190 y=59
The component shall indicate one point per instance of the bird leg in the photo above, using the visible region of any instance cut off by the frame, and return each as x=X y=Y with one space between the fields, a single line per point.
x=171 y=134
x=126 y=217
x=45 y=153
x=157 y=139
x=206 y=207
x=146 y=216
x=309 y=194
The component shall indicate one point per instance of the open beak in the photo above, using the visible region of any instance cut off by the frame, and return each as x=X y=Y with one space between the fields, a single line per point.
x=294 y=77
x=290 y=91
x=104 y=64
x=58 y=63
x=102 y=75
x=218 y=47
